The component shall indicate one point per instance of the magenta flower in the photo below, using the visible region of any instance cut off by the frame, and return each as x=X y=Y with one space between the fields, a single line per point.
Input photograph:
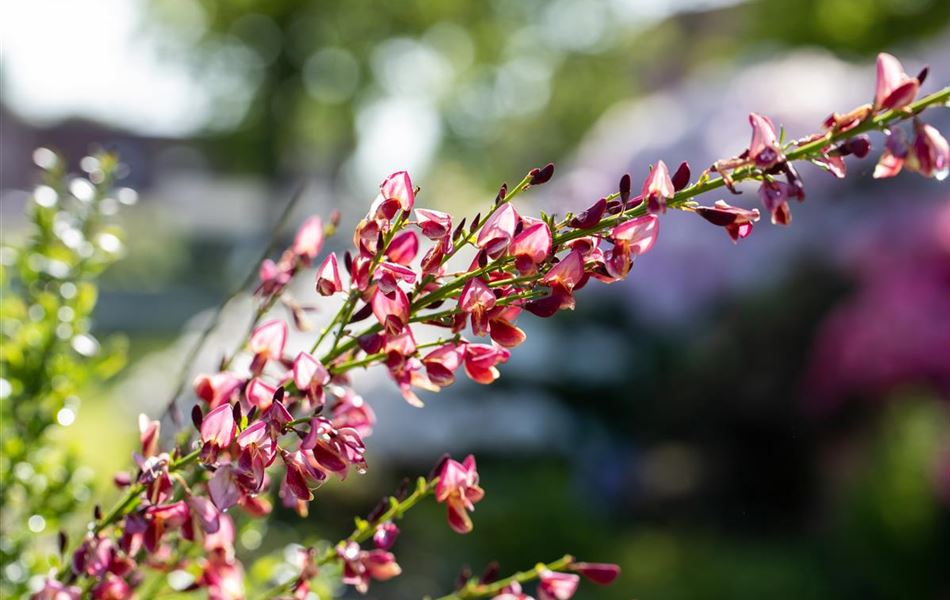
x=599 y=573
x=434 y=224
x=477 y=299
x=310 y=376
x=930 y=153
x=532 y=246
x=658 y=188
x=164 y=518
x=361 y=566
x=391 y=310
x=267 y=343
x=385 y=535
x=557 y=586
x=498 y=231
x=504 y=332
x=442 y=363
x=480 y=361
x=309 y=240
x=302 y=477
x=217 y=430
x=352 y=411
x=149 y=432
x=334 y=449
x=775 y=196
x=260 y=393
x=112 y=587
x=458 y=489
x=631 y=239
x=388 y=275
x=894 y=88
x=54 y=590
x=257 y=442
x=217 y=389
x=328 y=276
x=764 y=149
x=737 y=221
x=512 y=592
x=204 y=511
x=403 y=248
x=395 y=193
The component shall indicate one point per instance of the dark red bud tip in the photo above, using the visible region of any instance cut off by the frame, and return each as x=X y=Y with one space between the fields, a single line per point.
x=542 y=175
x=475 y=223
x=197 y=417
x=625 y=188
x=859 y=146
x=335 y=217
x=490 y=574
x=97 y=512
x=402 y=492
x=459 y=229
x=502 y=192
x=278 y=395
x=680 y=179
x=464 y=575
x=381 y=507
x=599 y=573
x=63 y=540
x=922 y=76
x=437 y=469
x=348 y=262
x=716 y=217
x=591 y=216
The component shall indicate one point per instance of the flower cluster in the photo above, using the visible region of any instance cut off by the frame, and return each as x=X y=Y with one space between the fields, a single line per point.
x=395 y=285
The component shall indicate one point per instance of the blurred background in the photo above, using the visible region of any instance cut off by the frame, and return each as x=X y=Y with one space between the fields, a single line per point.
x=768 y=420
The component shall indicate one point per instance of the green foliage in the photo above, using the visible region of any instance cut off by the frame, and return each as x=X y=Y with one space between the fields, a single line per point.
x=48 y=353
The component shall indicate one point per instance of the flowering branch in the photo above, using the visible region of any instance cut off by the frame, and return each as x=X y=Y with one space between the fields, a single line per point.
x=301 y=408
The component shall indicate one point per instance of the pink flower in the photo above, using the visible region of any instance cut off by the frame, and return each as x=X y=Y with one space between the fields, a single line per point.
x=257 y=442
x=512 y=592
x=458 y=489
x=112 y=588
x=775 y=196
x=480 y=361
x=267 y=342
x=599 y=573
x=434 y=224
x=930 y=153
x=352 y=411
x=149 y=432
x=223 y=488
x=894 y=88
x=310 y=376
x=309 y=240
x=477 y=299
x=328 y=276
x=395 y=193
x=391 y=310
x=532 y=246
x=361 y=566
x=442 y=363
x=403 y=248
x=162 y=518
x=301 y=476
x=334 y=449
x=896 y=151
x=658 y=188
x=205 y=512
x=557 y=586
x=54 y=590
x=764 y=149
x=259 y=393
x=385 y=535
x=631 y=239
x=737 y=221
x=498 y=230
x=217 y=389
x=218 y=428
x=388 y=275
